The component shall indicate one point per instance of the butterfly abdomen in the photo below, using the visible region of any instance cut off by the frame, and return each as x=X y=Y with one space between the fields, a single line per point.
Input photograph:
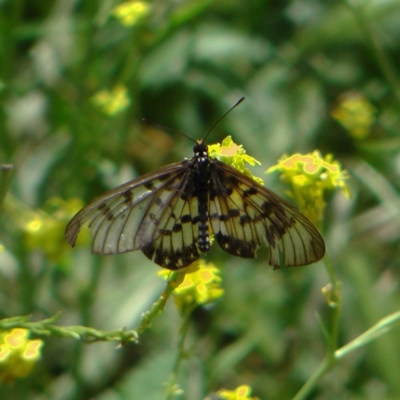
x=204 y=237
x=201 y=174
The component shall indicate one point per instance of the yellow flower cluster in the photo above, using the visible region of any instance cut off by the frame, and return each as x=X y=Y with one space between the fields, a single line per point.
x=45 y=231
x=129 y=12
x=355 y=113
x=112 y=102
x=241 y=393
x=233 y=154
x=18 y=354
x=200 y=285
x=309 y=176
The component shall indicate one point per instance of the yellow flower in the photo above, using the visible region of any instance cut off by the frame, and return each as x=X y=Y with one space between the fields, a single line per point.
x=200 y=285
x=241 y=393
x=45 y=231
x=233 y=154
x=355 y=113
x=18 y=354
x=309 y=176
x=130 y=12
x=112 y=102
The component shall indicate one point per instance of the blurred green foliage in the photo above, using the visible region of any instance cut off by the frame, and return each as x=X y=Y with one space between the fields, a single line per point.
x=316 y=74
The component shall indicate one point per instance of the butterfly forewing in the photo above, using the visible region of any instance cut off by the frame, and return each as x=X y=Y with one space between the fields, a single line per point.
x=123 y=210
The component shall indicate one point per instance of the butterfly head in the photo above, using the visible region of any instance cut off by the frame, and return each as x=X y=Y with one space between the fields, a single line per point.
x=201 y=151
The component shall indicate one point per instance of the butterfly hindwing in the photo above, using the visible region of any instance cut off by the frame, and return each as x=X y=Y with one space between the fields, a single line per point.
x=243 y=213
x=176 y=246
x=227 y=213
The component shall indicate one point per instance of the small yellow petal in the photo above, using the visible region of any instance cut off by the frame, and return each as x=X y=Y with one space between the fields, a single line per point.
x=112 y=102
x=34 y=225
x=32 y=350
x=130 y=12
x=16 y=338
x=240 y=393
x=4 y=353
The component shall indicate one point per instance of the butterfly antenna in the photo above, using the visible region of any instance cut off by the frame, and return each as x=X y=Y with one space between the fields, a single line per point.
x=220 y=118
x=166 y=129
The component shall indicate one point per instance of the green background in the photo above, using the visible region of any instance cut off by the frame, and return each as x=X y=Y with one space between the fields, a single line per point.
x=184 y=65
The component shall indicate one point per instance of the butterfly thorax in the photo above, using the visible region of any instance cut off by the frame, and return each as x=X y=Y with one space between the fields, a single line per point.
x=201 y=172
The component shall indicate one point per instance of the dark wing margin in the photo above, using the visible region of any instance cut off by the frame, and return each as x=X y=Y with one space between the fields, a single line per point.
x=243 y=212
x=147 y=214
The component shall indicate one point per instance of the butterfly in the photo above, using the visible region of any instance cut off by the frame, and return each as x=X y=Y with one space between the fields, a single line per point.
x=171 y=213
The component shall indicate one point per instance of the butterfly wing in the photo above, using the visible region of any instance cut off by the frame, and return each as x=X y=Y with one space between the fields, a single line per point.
x=158 y=214
x=243 y=213
x=152 y=213
x=176 y=246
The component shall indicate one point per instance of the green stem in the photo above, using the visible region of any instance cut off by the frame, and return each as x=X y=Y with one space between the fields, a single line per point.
x=312 y=382
x=380 y=328
x=173 y=387
x=334 y=300
x=85 y=334
x=157 y=308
